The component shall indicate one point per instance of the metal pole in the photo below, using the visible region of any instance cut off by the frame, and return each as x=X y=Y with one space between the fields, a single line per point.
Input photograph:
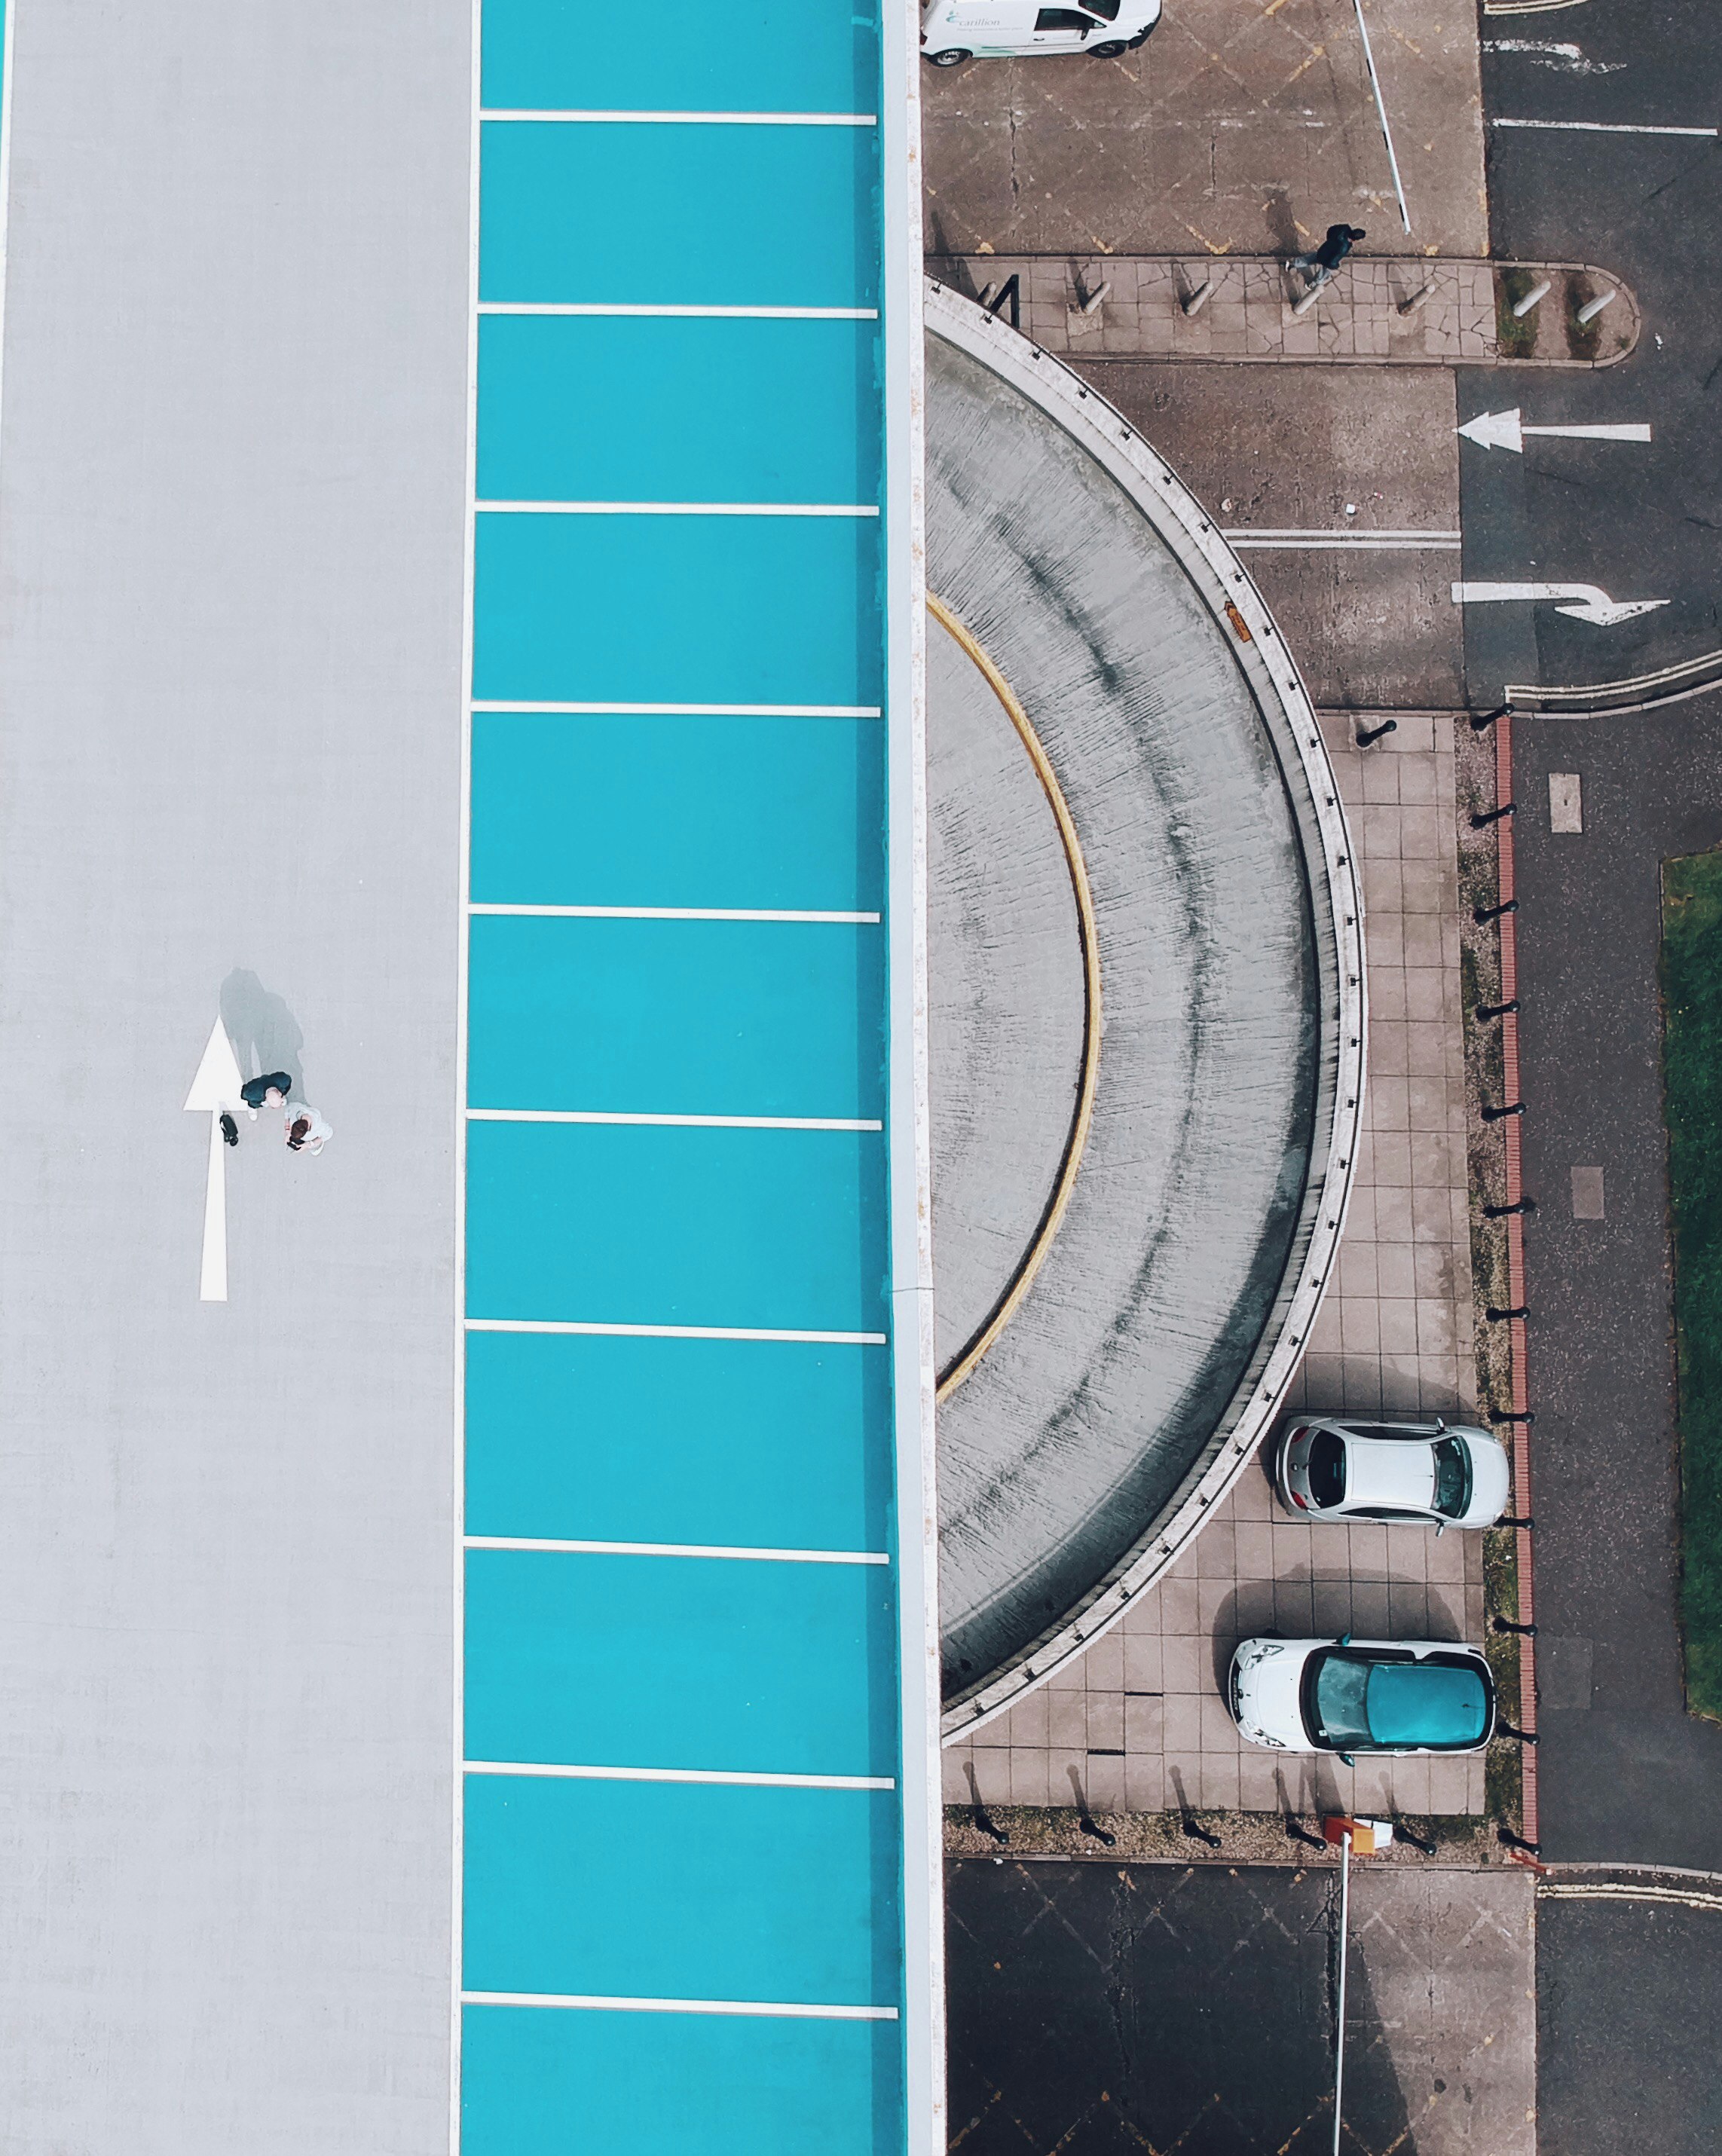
x=1404 y=215
x=1345 y=1933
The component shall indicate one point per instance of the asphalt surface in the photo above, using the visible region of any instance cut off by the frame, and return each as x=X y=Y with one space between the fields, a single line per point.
x=1626 y=2019
x=1625 y=1774
x=1642 y=521
x=1624 y=1769
x=1626 y=2054
x=1099 y=2007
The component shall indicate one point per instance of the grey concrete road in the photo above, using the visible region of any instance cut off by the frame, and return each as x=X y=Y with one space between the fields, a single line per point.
x=1242 y=126
x=1292 y=447
x=229 y=777
x=1097 y=2007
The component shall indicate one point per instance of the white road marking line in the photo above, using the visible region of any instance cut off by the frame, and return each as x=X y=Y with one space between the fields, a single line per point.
x=592 y=2002
x=673 y=913
x=1593 y=605
x=689 y=711
x=718 y=314
x=1569 y=56
x=699 y=1774
x=582 y=1548
x=1506 y=430
x=216 y=1086
x=676 y=509
x=675 y=1331
x=1294 y=539
x=1564 y=1890
x=1599 y=127
x=695 y=119
x=677 y=1122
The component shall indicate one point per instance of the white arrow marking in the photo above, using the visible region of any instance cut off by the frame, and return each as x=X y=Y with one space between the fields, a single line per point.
x=1593 y=604
x=1506 y=430
x=215 y=1087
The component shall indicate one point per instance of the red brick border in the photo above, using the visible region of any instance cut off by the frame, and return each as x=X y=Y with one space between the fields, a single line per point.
x=1514 y=1085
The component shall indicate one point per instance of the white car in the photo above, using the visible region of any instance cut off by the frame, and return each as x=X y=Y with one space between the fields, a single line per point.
x=1348 y=1695
x=1415 y=1474
x=952 y=31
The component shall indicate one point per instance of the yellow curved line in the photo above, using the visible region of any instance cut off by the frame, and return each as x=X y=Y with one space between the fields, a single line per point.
x=1087 y=931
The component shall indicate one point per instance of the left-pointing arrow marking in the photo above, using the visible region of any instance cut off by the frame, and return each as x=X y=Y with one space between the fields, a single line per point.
x=215 y=1087
x=1590 y=601
x=1506 y=430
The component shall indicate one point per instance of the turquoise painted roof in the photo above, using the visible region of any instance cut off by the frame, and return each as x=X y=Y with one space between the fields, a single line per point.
x=1425 y=1703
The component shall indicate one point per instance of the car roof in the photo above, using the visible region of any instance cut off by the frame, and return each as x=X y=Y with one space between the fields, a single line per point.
x=1390 y=1473
x=1430 y=1703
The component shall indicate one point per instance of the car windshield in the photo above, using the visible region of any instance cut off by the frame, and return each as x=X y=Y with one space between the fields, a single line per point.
x=1453 y=1478
x=1339 y=1697
x=1108 y=10
x=1354 y=1701
x=1327 y=1468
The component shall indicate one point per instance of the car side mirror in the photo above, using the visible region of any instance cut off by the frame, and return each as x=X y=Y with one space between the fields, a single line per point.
x=1345 y=1639
x=1346 y=1759
x=1441 y=1423
x=1440 y=1529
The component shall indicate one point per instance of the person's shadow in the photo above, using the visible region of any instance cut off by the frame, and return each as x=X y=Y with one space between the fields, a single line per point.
x=264 y=1033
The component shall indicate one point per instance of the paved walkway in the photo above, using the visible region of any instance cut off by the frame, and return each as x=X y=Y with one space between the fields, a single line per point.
x=1412 y=312
x=1140 y=1717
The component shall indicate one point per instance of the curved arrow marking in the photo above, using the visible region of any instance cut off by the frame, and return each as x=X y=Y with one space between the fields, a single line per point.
x=1592 y=603
x=1506 y=430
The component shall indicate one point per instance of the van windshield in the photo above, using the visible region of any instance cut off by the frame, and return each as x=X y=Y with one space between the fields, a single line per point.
x=1108 y=10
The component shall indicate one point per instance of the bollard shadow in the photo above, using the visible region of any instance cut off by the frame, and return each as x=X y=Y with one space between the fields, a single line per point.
x=1296 y=1830
x=1281 y=225
x=1194 y=1830
x=264 y=1033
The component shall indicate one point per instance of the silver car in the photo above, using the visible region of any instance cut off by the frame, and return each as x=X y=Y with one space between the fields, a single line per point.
x=1412 y=1474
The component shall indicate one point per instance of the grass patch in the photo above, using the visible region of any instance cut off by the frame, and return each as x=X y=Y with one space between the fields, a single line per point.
x=1583 y=339
x=1516 y=336
x=1692 y=1076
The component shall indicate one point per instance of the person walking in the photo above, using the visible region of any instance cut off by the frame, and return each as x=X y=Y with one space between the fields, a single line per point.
x=1321 y=261
x=306 y=1130
x=270 y=1090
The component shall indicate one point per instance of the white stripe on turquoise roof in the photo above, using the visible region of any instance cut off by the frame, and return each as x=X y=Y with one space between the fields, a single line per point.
x=700 y=1826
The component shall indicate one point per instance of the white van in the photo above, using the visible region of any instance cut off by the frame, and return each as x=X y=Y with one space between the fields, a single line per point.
x=952 y=31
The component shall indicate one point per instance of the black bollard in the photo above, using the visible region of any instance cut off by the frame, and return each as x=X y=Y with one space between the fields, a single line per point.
x=1500 y=1115
x=1506 y=1212
x=1479 y=720
x=1485 y=1011
x=1481 y=819
x=1365 y=734
x=1482 y=914
x=1498 y=1317
x=1502 y=1624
